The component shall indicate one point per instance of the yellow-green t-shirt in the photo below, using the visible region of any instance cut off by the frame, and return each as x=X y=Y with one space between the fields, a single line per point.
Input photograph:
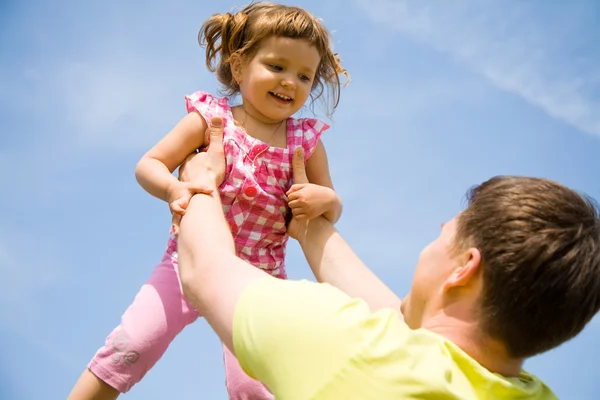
x=305 y=340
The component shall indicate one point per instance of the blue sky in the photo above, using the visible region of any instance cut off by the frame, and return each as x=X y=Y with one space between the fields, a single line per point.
x=442 y=97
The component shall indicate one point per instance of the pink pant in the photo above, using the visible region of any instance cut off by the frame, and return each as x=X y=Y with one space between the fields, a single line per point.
x=158 y=313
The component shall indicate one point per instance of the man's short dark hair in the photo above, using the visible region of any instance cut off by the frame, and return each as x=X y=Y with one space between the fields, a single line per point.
x=540 y=248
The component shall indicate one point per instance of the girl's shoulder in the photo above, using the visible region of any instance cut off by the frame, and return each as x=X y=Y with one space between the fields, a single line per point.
x=208 y=105
x=306 y=132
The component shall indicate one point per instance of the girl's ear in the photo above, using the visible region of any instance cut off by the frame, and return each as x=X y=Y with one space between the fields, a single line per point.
x=237 y=67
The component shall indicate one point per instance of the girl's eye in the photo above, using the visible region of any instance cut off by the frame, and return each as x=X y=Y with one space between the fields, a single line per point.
x=275 y=67
x=304 y=78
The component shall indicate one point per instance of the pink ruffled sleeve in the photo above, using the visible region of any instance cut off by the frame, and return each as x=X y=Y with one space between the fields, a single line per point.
x=204 y=103
x=312 y=131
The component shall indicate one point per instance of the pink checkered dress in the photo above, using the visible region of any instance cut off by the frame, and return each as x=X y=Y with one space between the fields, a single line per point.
x=257 y=178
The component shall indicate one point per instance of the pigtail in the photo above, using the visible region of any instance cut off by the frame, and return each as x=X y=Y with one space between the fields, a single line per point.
x=223 y=36
x=331 y=74
x=230 y=35
x=209 y=38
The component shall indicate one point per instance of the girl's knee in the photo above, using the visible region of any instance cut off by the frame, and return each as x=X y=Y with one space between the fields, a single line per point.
x=248 y=389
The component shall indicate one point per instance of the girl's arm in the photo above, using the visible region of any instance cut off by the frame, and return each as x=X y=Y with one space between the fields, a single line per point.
x=317 y=171
x=154 y=172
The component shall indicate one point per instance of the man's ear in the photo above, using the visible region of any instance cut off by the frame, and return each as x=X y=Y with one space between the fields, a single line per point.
x=468 y=267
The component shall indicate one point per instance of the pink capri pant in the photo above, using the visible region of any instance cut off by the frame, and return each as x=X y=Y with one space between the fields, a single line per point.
x=158 y=313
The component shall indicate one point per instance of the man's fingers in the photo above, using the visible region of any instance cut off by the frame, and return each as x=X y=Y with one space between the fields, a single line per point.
x=176 y=220
x=299 y=167
x=179 y=206
x=216 y=134
x=200 y=188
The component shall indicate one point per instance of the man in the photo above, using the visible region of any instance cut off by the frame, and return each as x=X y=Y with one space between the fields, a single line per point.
x=515 y=274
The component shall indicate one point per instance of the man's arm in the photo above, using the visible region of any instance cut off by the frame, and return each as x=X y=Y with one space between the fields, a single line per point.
x=333 y=261
x=282 y=328
x=212 y=277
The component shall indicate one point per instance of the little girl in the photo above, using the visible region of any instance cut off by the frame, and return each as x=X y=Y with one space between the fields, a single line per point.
x=275 y=57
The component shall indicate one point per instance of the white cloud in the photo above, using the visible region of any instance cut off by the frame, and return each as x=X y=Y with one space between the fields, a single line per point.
x=510 y=46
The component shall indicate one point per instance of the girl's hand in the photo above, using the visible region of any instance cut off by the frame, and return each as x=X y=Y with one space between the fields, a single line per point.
x=180 y=194
x=308 y=201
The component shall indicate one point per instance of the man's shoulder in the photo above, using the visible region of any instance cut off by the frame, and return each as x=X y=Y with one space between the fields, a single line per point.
x=330 y=345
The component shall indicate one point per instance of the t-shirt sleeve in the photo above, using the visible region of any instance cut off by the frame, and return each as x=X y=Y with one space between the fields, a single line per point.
x=305 y=340
x=296 y=334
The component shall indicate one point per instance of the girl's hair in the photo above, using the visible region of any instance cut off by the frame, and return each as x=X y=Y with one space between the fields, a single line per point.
x=240 y=34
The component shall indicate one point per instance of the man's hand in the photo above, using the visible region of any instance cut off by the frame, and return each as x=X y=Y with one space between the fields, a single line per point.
x=179 y=197
x=203 y=172
x=207 y=167
x=296 y=227
x=212 y=276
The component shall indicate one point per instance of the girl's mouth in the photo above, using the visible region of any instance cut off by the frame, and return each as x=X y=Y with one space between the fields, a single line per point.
x=281 y=97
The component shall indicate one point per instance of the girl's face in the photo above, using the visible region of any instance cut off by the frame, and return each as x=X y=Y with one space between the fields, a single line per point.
x=277 y=81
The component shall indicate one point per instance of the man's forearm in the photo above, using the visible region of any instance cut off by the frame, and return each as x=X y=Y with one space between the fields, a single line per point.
x=333 y=261
x=212 y=276
x=204 y=241
x=205 y=223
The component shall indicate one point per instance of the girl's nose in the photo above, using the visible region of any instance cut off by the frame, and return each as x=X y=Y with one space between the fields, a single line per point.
x=288 y=83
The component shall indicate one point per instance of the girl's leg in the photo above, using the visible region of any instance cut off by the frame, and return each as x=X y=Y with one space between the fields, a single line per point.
x=158 y=313
x=90 y=387
x=239 y=385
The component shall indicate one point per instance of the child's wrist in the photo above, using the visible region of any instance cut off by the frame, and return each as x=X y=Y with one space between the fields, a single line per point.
x=334 y=206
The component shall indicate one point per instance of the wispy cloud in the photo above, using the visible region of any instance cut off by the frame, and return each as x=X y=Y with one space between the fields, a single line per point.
x=535 y=58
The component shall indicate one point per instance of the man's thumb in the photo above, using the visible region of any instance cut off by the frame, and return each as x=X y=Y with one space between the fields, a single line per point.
x=299 y=167
x=216 y=131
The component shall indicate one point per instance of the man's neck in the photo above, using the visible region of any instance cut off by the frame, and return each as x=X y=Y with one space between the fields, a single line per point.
x=467 y=336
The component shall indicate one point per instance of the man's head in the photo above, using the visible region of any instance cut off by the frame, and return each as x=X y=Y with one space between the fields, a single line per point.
x=526 y=253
